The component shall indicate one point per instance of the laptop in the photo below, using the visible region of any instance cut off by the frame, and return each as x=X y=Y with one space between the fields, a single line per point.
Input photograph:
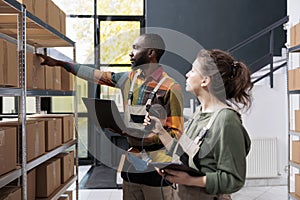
x=105 y=113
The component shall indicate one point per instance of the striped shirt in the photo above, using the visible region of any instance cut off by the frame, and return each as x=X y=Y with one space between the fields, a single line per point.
x=169 y=95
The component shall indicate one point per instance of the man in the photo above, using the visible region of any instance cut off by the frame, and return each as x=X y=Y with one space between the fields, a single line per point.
x=137 y=87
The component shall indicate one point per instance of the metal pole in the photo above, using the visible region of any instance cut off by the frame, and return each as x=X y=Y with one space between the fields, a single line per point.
x=38 y=104
x=22 y=98
x=272 y=53
x=76 y=127
x=92 y=86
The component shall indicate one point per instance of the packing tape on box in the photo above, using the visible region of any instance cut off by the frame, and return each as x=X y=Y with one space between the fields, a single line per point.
x=37 y=140
x=35 y=77
x=2 y=138
x=55 y=132
x=70 y=164
x=5 y=65
x=54 y=174
x=69 y=129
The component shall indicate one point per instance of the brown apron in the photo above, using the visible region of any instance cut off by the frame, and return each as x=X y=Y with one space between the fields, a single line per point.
x=133 y=118
x=191 y=147
x=134 y=114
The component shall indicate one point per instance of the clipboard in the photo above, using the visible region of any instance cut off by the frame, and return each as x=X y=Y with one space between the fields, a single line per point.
x=176 y=167
x=105 y=113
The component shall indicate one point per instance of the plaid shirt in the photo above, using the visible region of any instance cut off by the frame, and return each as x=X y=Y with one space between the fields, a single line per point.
x=169 y=95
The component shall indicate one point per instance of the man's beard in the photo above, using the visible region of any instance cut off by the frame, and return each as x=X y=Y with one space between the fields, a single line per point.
x=140 y=62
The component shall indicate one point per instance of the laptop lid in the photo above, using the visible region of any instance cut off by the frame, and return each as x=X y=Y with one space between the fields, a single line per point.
x=105 y=114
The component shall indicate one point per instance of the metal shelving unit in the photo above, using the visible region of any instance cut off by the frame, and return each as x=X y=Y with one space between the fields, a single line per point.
x=10 y=92
x=27 y=29
x=7 y=178
x=291 y=195
x=60 y=190
x=41 y=93
x=49 y=155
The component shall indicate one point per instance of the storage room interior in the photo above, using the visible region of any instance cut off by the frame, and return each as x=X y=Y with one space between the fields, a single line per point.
x=51 y=147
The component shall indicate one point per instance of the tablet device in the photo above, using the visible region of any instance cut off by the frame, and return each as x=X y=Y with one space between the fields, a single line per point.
x=177 y=167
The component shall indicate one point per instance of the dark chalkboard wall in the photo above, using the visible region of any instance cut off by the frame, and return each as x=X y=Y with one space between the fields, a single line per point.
x=215 y=24
x=219 y=24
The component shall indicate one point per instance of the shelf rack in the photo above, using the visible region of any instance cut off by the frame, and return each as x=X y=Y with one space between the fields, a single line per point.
x=27 y=29
x=291 y=195
x=39 y=34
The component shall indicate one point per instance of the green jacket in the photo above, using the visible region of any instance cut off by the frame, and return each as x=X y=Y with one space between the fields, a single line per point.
x=222 y=156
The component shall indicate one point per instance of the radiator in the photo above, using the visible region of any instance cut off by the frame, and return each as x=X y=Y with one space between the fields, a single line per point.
x=262 y=158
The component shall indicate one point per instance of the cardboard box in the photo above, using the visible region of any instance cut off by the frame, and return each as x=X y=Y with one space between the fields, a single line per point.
x=53 y=15
x=291 y=79
x=8 y=149
x=28 y=4
x=47 y=178
x=31 y=184
x=297 y=120
x=35 y=72
x=62 y=19
x=67 y=124
x=68 y=128
x=49 y=83
x=297 y=78
x=297 y=184
x=12 y=65
x=35 y=130
x=35 y=139
x=10 y=193
x=67 y=165
x=296 y=151
x=67 y=80
x=53 y=78
x=53 y=133
x=297 y=34
x=10 y=68
x=57 y=78
x=40 y=9
x=293 y=36
x=2 y=50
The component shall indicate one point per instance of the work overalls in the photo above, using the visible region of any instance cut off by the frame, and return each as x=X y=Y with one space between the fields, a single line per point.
x=191 y=148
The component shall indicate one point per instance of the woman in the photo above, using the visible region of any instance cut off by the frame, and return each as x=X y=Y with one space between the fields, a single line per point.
x=214 y=142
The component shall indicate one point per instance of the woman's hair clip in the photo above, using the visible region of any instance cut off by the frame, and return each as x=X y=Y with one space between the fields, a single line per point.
x=234 y=68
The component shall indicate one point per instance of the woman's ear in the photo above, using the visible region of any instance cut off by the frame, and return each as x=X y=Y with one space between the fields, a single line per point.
x=205 y=81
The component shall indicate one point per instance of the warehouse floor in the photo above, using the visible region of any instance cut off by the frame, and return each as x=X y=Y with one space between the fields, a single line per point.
x=246 y=193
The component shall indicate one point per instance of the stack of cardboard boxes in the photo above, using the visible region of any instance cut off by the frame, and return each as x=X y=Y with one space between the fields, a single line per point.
x=294 y=74
x=44 y=134
x=296 y=153
x=48 y=12
x=294 y=84
x=38 y=77
x=54 y=173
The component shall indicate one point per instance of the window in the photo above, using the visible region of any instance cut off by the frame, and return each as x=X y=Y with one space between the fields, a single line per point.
x=119 y=23
x=120 y=7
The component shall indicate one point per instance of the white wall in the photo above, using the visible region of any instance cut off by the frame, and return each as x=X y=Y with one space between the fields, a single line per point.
x=268 y=116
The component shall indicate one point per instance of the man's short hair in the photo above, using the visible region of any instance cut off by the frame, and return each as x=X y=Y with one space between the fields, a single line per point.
x=156 y=42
